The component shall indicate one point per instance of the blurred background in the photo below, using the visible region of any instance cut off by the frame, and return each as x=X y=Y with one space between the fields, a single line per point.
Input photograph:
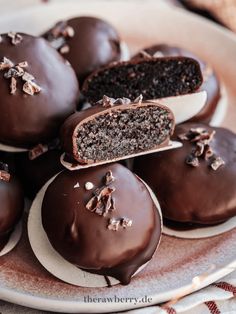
x=220 y=11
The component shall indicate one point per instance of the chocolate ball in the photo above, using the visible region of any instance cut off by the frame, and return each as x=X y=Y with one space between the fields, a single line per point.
x=195 y=184
x=12 y=204
x=102 y=220
x=210 y=81
x=88 y=43
x=38 y=90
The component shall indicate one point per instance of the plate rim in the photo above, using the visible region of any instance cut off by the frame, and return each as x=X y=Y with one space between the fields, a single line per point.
x=42 y=303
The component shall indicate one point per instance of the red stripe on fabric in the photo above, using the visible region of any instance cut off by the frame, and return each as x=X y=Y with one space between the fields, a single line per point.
x=170 y=310
x=212 y=307
x=226 y=286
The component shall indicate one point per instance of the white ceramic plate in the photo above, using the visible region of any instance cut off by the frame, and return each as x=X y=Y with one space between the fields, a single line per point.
x=22 y=279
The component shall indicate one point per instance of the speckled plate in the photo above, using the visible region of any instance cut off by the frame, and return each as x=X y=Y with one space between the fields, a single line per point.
x=180 y=266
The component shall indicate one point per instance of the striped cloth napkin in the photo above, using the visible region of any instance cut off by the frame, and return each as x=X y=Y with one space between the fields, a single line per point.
x=218 y=298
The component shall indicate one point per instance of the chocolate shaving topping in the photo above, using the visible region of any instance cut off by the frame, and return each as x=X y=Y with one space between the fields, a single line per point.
x=144 y=54
x=201 y=139
x=115 y=223
x=109 y=178
x=17 y=71
x=13 y=85
x=0 y=39
x=76 y=185
x=37 y=151
x=101 y=202
x=110 y=102
x=40 y=149
x=139 y=99
x=15 y=38
x=192 y=161
x=158 y=54
x=4 y=172
x=216 y=162
x=59 y=35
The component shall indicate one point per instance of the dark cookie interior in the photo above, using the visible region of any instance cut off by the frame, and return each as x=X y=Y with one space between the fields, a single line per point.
x=124 y=132
x=153 y=78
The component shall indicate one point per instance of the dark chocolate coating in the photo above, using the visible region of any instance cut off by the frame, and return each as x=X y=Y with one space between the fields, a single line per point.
x=11 y=209
x=82 y=236
x=28 y=120
x=193 y=195
x=210 y=81
x=95 y=44
x=35 y=173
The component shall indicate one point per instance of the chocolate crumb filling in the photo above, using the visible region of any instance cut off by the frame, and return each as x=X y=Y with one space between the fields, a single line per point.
x=123 y=132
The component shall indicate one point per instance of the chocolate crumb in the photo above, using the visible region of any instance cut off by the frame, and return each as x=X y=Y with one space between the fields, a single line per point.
x=88 y=186
x=216 y=162
x=158 y=54
x=122 y=101
x=101 y=203
x=144 y=54
x=64 y=49
x=31 y=88
x=139 y=99
x=17 y=71
x=27 y=77
x=4 y=172
x=15 y=38
x=107 y=101
x=109 y=178
x=6 y=64
x=37 y=151
x=126 y=222
x=13 y=85
x=113 y=224
x=4 y=176
x=192 y=161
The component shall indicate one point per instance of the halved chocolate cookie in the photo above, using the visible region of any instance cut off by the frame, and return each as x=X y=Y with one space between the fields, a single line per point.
x=111 y=131
x=152 y=77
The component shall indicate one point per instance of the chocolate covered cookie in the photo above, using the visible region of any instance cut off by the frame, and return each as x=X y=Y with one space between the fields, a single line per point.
x=88 y=43
x=12 y=204
x=38 y=90
x=103 y=220
x=152 y=77
x=210 y=83
x=195 y=184
x=116 y=129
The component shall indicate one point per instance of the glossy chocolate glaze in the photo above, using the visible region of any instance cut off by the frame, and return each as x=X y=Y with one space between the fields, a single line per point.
x=210 y=81
x=83 y=238
x=193 y=195
x=27 y=120
x=11 y=209
x=69 y=132
x=35 y=173
x=95 y=43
